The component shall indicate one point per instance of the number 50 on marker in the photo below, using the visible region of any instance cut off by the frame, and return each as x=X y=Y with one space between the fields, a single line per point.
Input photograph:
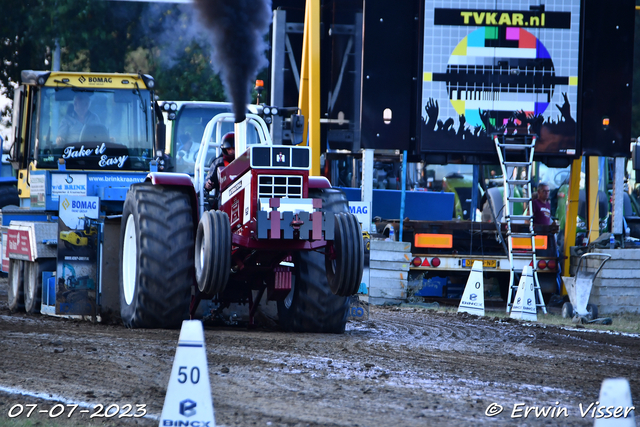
x=188 y=400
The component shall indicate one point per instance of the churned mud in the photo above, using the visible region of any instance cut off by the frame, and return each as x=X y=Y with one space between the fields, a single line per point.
x=404 y=367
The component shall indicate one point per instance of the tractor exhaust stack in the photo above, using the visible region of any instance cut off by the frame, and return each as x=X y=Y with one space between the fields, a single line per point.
x=240 y=130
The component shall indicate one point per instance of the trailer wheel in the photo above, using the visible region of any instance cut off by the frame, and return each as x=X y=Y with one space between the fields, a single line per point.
x=344 y=272
x=213 y=253
x=311 y=306
x=156 y=257
x=33 y=283
x=15 y=291
x=592 y=311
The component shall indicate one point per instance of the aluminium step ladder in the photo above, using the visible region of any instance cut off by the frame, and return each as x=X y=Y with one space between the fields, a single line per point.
x=516 y=151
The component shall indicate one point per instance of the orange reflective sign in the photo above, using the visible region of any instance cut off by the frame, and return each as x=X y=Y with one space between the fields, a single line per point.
x=525 y=242
x=442 y=241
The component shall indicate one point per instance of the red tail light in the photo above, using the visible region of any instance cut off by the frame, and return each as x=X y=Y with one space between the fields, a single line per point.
x=542 y=264
x=552 y=264
x=435 y=262
x=416 y=261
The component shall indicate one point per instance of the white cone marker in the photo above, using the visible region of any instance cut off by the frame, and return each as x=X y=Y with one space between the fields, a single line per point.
x=188 y=400
x=472 y=301
x=615 y=407
x=524 y=303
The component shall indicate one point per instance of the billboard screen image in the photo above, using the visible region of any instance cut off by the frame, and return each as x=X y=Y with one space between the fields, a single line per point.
x=499 y=67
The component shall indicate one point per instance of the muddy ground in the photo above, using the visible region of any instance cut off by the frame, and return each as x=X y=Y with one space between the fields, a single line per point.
x=404 y=367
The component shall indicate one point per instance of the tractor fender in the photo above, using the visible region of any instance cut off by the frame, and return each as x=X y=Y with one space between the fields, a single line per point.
x=319 y=182
x=181 y=181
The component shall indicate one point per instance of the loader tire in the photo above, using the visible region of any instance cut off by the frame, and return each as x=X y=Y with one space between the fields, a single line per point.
x=213 y=253
x=15 y=291
x=33 y=283
x=344 y=270
x=311 y=306
x=156 y=257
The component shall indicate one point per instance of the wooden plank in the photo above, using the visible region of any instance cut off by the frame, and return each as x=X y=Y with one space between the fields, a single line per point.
x=389 y=256
x=615 y=301
x=606 y=273
x=387 y=293
x=616 y=291
x=383 y=245
x=386 y=265
x=626 y=254
x=620 y=309
x=387 y=274
x=599 y=281
x=614 y=264
x=388 y=284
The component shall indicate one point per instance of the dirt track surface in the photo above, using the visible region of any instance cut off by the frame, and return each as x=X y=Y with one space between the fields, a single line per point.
x=405 y=367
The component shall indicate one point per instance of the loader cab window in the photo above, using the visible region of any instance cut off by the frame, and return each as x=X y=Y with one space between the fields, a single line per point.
x=108 y=129
x=189 y=129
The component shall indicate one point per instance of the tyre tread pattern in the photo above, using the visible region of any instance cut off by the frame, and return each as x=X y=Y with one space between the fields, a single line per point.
x=345 y=272
x=314 y=307
x=165 y=265
x=214 y=232
x=32 y=303
x=16 y=299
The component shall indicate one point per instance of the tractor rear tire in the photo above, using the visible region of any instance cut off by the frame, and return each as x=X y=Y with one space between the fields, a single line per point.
x=311 y=306
x=213 y=253
x=15 y=292
x=156 y=257
x=344 y=273
x=33 y=283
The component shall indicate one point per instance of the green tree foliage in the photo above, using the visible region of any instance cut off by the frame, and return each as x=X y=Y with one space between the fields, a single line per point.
x=106 y=36
x=178 y=54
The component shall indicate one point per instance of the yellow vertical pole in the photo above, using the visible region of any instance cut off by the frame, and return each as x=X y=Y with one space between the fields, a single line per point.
x=571 y=214
x=309 y=98
x=593 y=213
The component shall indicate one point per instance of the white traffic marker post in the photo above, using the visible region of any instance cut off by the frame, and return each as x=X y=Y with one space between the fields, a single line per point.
x=473 y=296
x=188 y=400
x=615 y=407
x=524 y=304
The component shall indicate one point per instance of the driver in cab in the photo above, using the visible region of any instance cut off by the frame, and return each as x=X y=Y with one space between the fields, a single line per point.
x=75 y=119
x=212 y=182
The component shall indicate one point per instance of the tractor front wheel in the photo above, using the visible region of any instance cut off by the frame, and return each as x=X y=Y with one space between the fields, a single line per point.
x=213 y=253
x=156 y=257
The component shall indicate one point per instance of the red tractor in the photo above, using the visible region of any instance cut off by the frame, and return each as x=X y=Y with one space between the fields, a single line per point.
x=276 y=229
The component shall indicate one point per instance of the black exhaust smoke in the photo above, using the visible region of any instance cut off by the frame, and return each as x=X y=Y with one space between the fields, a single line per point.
x=238 y=28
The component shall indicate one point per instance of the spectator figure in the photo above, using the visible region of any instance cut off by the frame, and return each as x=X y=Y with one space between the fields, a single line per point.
x=542 y=206
x=75 y=119
x=219 y=163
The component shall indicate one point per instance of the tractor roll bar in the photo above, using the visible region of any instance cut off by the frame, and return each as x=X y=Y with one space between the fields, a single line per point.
x=209 y=142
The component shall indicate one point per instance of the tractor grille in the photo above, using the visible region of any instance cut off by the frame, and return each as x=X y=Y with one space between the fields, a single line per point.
x=278 y=186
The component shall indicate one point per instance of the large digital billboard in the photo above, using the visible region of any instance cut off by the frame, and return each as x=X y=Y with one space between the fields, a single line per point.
x=507 y=67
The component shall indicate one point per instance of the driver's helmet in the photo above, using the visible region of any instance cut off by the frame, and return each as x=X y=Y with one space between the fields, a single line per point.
x=228 y=141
